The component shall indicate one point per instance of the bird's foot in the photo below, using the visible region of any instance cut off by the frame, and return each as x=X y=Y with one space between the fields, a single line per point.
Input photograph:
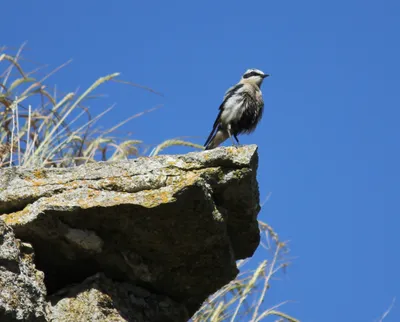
x=237 y=145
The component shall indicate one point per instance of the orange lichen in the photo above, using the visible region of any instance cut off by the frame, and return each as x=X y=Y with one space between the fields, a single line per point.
x=39 y=174
x=15 y=218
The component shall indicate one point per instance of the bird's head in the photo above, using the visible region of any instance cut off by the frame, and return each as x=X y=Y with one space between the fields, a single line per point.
x=254 y=76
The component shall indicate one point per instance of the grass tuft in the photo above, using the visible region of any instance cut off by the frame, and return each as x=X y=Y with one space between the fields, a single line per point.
x=42 y=127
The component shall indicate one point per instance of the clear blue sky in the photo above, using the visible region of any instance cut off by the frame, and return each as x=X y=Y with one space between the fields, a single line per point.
x=329 y=139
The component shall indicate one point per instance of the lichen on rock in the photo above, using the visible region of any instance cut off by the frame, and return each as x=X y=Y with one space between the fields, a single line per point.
x=172 y=225
x=22 y=289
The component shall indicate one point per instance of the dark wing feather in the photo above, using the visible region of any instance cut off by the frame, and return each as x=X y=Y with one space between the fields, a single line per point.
x=215 y=128
x=227 y=96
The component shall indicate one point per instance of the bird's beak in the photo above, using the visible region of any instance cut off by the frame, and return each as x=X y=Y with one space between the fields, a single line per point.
x=265 y=75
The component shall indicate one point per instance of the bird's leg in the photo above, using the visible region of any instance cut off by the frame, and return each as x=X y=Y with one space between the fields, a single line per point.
x=237 y=140
x=228 y=128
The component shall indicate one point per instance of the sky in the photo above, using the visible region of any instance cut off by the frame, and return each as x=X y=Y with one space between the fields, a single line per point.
x=328 y=141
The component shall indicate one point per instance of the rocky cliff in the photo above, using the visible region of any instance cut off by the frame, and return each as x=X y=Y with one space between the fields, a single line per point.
x=141 y=240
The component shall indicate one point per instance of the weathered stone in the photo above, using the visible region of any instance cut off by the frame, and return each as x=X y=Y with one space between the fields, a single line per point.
x=173 y=225
x=22 y=290
x=100 y=299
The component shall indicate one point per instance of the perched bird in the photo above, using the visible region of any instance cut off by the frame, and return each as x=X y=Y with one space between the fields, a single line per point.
x=240 y=110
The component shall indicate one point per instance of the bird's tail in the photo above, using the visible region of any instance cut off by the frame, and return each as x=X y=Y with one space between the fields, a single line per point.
x=215 y=138
x=211 y=137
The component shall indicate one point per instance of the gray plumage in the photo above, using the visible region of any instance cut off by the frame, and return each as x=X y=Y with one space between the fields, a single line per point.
x=240 y=111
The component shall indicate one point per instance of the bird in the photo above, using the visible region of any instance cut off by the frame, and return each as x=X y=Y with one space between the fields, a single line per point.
x=240 y=111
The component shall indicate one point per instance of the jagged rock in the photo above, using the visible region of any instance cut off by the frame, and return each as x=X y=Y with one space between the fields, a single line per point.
x=174 y=225
x=22 y=290
x=100 y=299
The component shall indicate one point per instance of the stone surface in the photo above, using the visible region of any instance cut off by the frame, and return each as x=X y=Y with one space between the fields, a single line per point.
x=173 y=225
x=100 y=299
x=22 y=290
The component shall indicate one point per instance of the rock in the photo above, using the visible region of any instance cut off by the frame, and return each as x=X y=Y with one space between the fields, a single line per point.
x=22 y=290
x=100 y=299
x=173 y=225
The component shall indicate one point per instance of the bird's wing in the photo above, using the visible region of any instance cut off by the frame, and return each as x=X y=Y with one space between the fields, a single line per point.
x=229 y=93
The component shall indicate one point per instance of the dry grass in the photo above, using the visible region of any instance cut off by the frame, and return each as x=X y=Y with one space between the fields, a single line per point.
x=244 y=299
x=387 y=312
x=42 y=127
